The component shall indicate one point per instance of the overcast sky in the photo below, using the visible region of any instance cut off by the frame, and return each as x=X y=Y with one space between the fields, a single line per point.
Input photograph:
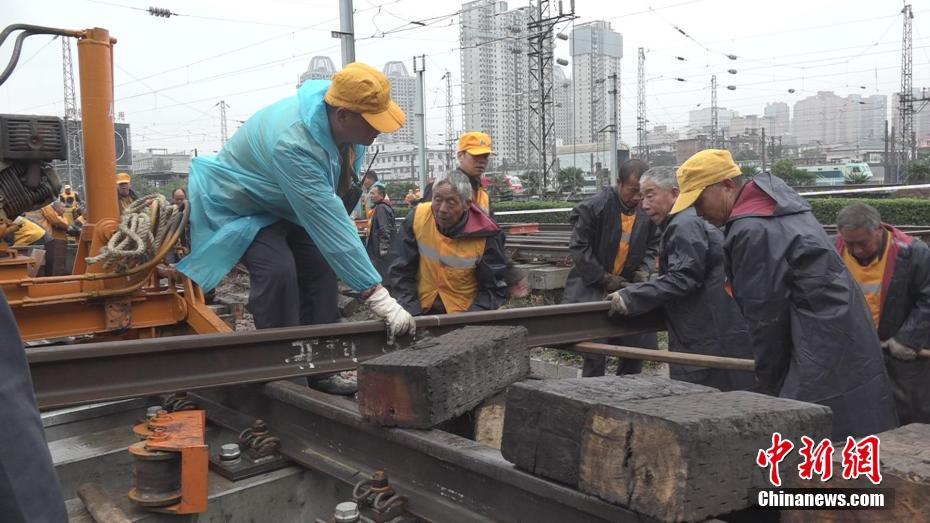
x=170 y=73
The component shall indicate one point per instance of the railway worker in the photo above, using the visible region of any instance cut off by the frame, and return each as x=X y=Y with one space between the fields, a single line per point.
x=381 y=230
x=613 y=241
x=51 y=218
x=124 y=191
x=702 y=318
x=72 y=201
x=450 y=254
x=812 y=333
x=364 y=202
x=474 y=151
x=23 y=232
x=893 y=271
x=29 y=488
x=272 y=198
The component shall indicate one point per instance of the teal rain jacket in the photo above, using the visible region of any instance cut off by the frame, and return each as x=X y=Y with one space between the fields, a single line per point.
x=282 y=164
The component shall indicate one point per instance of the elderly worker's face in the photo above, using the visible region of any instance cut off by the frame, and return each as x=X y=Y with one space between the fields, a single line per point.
x=716 y=202
x=179 y=197
x=377 y=195
x=448 y=206
x=123 y=189
x=657 y=200
x=473 y=165
x=629 y=191
x=863 y=244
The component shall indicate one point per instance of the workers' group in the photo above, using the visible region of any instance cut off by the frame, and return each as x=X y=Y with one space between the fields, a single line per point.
x=740 y=267
x=48 y=229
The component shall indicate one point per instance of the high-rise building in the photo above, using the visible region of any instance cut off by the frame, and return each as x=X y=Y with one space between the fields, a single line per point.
x=829 y=119
x=320 y=68
x=596 y=51
x=865 y=119
x=403 y=92
x=779 y=118
x=816 y=119
x=562 y=100
x=495 y=78
x=699 y=120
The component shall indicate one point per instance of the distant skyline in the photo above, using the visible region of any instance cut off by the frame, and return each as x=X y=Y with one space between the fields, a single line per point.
x=170 y=73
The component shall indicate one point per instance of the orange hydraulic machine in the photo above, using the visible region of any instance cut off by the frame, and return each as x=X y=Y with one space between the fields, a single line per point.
x=96 y=299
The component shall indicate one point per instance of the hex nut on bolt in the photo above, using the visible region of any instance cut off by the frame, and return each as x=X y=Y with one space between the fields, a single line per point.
x=229 y=452
x=347 y=512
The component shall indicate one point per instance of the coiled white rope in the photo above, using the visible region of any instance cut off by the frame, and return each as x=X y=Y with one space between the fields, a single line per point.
x=135 y=242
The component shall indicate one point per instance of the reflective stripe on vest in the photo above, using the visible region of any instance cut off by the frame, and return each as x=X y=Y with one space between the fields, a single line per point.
x=869 y=279
x=623 y=248
x=447 y=266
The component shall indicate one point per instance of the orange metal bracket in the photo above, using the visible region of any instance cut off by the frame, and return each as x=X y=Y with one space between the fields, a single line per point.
x=182 y=432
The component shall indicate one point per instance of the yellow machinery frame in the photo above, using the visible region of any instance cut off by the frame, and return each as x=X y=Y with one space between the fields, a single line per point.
x=91 y=302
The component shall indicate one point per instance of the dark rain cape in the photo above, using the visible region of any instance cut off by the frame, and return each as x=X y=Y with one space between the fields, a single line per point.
x=594 y=241
x=380 y=237
x=906 y=318
x=29 y=489
x=812 y=332
x=701 y=317
x=492 y=270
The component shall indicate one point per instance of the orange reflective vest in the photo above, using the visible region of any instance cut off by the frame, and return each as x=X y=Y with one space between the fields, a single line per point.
x=623 y=248
x=124 y=203
x=54 y=223
x=870 y=278
x=447 y=266
x=28 y=233
x=483 y=200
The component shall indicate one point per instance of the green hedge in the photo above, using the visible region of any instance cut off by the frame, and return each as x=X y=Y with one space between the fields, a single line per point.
x=898 y=211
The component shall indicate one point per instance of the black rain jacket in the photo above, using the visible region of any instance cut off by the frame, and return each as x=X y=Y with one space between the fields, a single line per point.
x=594 y=241
x=812 y=332
x=701 y=317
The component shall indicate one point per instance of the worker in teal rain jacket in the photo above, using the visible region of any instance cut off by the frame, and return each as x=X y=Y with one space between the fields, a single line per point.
x=273 y=199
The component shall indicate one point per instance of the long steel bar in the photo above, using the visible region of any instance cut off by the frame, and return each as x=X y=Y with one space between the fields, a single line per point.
x=684 y=358
x=446 y=477
x=77 y=374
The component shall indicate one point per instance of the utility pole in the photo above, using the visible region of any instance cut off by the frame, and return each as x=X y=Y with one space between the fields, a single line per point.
x=224 y=135
x=614 y=130
x=419 y=67
x=894 y=160
x=906 y=96
x=75 y=162
x=713 y=112
x=450 y=123
x=763 y=149
x=886 y=159
x=540 y=28
x=346 y=32
x=641 y=137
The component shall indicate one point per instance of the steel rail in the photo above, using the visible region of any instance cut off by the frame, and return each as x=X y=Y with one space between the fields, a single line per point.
x=78 y=374
x=446 y=478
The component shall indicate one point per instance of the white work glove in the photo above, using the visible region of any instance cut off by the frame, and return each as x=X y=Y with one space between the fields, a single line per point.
x=898 y=350
x=617 y=305
x=397 y=319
